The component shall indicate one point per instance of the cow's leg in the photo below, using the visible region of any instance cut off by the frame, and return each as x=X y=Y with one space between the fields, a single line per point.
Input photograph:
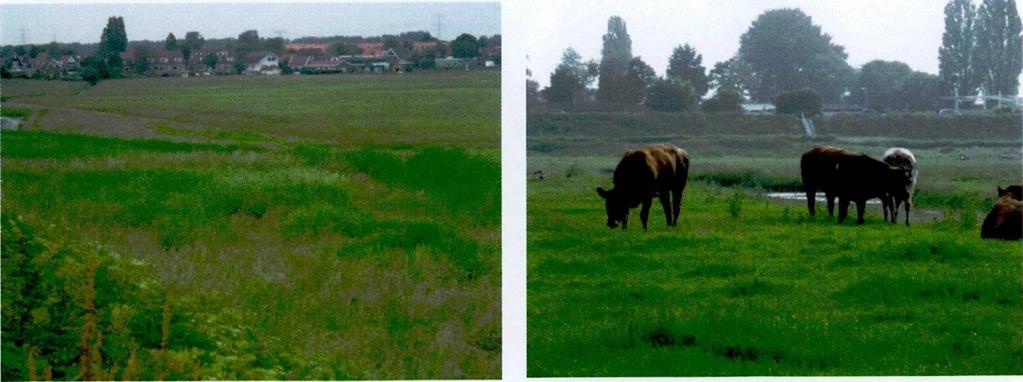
x=861 y=205
x=886 y=208
x=843 y=209
x=625 y=221
x=666 y=206
x=831 y=203
x=676 y=205
x=811 y=200
x=908 y=205
x=895 y=209
x=645 y=212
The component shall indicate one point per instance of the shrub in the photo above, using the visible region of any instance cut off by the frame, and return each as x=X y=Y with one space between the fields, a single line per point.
x=64 y=304
x=724 y=101
x=14 y=113
x=800 y=101
x=91 y=75
x=671 y=96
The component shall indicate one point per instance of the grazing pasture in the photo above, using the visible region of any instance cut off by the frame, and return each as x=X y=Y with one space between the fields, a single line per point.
x=748 y=285
x=300 y=227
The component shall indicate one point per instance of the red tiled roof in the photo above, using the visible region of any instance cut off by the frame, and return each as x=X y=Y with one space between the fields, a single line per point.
x=371 y=48
x=297 y=47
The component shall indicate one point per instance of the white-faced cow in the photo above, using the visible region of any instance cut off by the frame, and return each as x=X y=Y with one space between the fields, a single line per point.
x=904 y=159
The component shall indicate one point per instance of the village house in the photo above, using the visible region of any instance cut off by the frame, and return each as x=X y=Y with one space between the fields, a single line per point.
x=451 y=63
x=225 y=62
x=53 y=68
x=262 y=63
x=383 y=61
x=319 y=64
x=20 y=65
x=163 y=63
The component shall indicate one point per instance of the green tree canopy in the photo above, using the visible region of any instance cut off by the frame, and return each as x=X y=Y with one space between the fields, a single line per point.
x=141 y=59
x=804 y=101
x=571 y=77
x=788 y=52
x=957 y=42
x=564 y=85
x=171 y=43
x=919 y=92
x=391 y=42
x=274 y=45
x=113 y=41
x=879 y=82
x=615 y=58
x=734 y=74
x=211 y=60
x=725 y=100
x=114 y=37
x=465 y=46
x=670 y=95
x=998 y=52
x=685 y=64
x=638 y=80
x=193 y=42
x=248 y=41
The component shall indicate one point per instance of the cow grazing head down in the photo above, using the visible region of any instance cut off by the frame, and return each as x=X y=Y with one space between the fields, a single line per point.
x=903 y=177
x=616 y=207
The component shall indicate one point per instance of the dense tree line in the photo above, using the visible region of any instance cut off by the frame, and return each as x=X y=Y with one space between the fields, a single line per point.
x=104 y=60
x=981 y=48
x=784 y=53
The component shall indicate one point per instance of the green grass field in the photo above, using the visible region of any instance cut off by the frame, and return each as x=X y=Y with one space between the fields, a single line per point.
x=299 y=227
x=748 y=285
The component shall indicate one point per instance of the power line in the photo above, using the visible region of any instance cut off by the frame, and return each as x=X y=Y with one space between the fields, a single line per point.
x=438 y=24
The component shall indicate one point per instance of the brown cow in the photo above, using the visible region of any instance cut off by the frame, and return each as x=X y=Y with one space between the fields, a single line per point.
x=1005 y=221
x=817 y=167
x=859 y=178
x=656 y=170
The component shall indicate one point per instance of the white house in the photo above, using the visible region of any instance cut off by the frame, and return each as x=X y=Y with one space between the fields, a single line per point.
x=262 y=63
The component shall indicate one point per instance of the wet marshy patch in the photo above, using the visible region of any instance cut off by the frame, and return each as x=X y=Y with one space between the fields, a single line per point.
x=661 y=338
x=746 y=354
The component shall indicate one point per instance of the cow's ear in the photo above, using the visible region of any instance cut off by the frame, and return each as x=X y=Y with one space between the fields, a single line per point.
x=1001 y=191
x=602 y=192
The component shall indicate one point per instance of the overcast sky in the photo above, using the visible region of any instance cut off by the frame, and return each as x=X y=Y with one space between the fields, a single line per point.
x=43 y=23
x=903 y=30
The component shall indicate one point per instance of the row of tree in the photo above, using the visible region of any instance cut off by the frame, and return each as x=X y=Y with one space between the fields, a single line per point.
x=106 y=61
x=783 y=52
x=981 y=47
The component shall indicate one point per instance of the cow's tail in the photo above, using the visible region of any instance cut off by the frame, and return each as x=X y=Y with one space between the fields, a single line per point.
x=683 y=167
x=805 y=170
